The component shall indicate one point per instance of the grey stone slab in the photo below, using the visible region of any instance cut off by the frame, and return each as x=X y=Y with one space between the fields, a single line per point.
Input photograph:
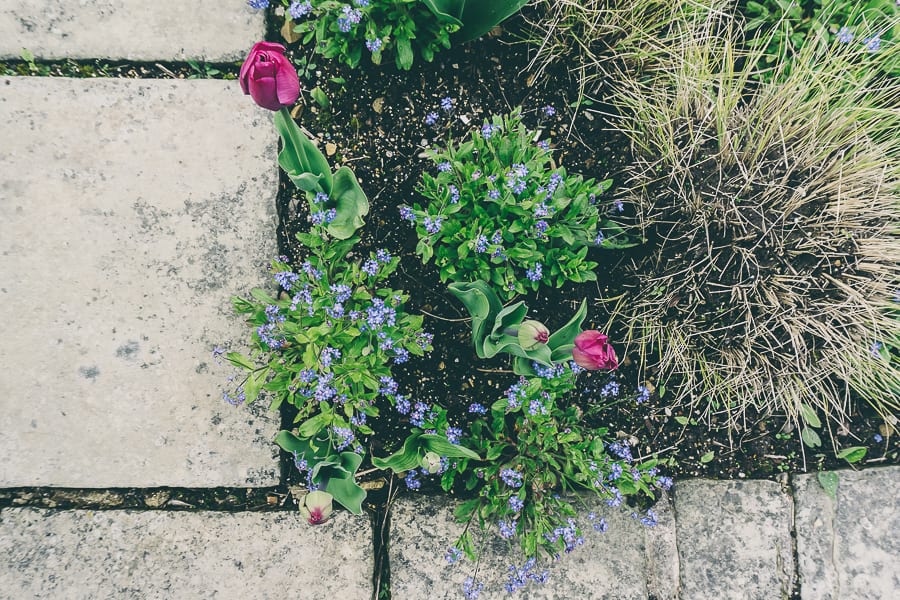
x=848 y=547
x=130 y=212
x=87 y=555
x=629 y=561
x=734 y=540
x=205 y=30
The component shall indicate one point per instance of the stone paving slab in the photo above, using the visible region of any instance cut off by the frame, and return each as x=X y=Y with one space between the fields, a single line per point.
x=159 y=30
x=629 y=561
x=734 y=540
x=173 y=555
x=130 y=212
x=848 y=547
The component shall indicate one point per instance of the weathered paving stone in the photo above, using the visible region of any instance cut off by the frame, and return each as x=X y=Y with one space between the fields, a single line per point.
x=81 y=555
x=629 y=561
x=734 y=540
x=130 y=212
x=848 y=547
x=205 y=30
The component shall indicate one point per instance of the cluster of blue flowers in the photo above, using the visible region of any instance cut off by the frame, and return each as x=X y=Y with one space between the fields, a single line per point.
x=298 y=10
x=512 y=478
x=349 y=17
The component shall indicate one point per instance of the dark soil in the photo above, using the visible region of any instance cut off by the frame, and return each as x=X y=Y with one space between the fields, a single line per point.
x=374 y=122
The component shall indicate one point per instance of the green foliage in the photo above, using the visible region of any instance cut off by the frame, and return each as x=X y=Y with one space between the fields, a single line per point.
x=415 y=448
x=539 y=452
x=783 y=27
x=383 y=29
x=309 y=170
x=334 y=472
x=495 y=328
x=327 y=345
x=476 y=17
x=497 y=210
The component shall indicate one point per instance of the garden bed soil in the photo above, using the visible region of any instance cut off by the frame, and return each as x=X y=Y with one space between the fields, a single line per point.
x=374 y=121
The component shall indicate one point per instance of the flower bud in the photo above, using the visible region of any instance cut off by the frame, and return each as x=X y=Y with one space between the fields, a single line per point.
x=532 y=334
x=316 y=507
x=431 y=462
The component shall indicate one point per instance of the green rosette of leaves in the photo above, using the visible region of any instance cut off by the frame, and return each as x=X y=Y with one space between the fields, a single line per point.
x=495 y=328
x=309 y=170
x=335 y=471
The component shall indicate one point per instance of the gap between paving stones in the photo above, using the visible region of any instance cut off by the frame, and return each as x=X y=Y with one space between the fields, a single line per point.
x=116 y=69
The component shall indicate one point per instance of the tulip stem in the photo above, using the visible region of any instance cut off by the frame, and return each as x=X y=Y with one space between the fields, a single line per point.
x=513 y=331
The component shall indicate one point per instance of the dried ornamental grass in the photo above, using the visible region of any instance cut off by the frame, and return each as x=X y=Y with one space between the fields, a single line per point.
x=775 y=208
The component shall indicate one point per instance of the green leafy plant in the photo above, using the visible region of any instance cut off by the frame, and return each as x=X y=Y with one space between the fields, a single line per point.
x=337 y=196
x=328 y=470
x=538 y=453
x=499 y=211
x=326 y=347
x=496 y=329
x=347 y=31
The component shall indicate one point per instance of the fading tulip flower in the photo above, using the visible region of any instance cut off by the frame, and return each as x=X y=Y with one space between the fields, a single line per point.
x=269 y=77
x=316 y=507
x=593 y=351
x=532 y=335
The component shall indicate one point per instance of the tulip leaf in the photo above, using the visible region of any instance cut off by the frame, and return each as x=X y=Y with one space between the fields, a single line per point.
x=479 y=17
x=482 y=303
x=565 y=336
x=352 y=204
x=441 y=445
x=403 y=460
x=450 y=10
x=347 y=493
x=510 y=317
x=299 y=155
x=350 y=461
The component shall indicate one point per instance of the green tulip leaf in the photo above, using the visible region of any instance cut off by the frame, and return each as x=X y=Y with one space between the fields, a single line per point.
x=352 y=204
x=441 y=445
x=449 y=10
x=403 y=460
x=351 y=461
x=299 y=155
x=347 y=493
x=565 y=336
x=483 y=305
x=479 y=16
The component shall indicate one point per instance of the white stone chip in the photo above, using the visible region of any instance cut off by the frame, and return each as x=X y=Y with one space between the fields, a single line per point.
x=131 y=211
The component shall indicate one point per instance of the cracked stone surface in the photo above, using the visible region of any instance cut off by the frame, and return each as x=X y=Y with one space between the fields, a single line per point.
x=203 y=30
x=734 y=540
x=131 y=211
x=848 y=546
x=82 y=554
x=629 y=561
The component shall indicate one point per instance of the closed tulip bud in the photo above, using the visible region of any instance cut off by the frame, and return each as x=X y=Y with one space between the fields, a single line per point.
x=316 y=507
x=431 y=462
x=269 y=77
x=532 y=335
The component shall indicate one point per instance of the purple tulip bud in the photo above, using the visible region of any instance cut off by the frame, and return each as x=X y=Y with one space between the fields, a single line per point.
x=269 y=77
